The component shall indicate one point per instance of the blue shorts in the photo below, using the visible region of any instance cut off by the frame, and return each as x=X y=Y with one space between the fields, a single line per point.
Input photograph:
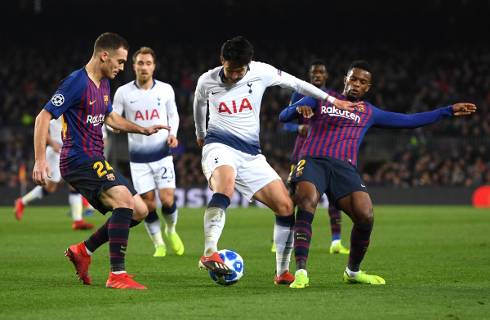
x=333 y=177
x=93 y=177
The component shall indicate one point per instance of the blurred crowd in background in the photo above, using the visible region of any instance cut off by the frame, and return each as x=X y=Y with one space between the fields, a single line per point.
x=454 y=152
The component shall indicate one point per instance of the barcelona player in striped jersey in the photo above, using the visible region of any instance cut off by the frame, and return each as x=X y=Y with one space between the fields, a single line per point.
x=83 y=102
x=328 y=161
x=318 y=77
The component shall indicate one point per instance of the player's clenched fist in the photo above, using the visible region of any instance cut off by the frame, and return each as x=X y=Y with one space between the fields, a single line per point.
x=172 y=141
x=154 y=129
x=305 y=111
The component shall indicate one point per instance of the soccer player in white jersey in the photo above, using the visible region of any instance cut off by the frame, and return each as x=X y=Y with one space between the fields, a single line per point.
x=231 y=155
x=147 y=101
x=53 y=158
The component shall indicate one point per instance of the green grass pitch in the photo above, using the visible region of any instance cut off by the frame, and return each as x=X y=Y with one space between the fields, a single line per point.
x=436 y=262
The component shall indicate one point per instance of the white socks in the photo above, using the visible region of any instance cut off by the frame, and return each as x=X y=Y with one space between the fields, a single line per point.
x=155 y=232
x=171 y=221
x=76 y=208
x=36 y=193
x=214 y=222
x=283 y=238
x=351 y=273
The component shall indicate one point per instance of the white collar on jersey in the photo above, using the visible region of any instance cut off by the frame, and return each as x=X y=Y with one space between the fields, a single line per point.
x=136 y=85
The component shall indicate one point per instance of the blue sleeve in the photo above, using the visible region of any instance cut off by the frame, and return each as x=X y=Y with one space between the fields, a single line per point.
x=68 y=94
x=289 y=113
x=290 y=127
x=109 y=107
x=295 y=97
x=385 y=119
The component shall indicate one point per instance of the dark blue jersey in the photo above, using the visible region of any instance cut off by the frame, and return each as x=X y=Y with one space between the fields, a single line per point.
x=83 y=107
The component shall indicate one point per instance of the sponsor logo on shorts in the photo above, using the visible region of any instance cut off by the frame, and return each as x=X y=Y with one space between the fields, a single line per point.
x=111 y=177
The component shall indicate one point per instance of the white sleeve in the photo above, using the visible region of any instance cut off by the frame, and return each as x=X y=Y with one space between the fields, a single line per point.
x=276 y=77
x=118 y=103
x=172 y=114
x=200 y=109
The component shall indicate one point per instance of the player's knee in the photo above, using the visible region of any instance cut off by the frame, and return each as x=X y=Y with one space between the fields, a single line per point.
x=227 y=190
x=167 y=200
x=306 y=202
x=140 y=212
x=284 y=208
x=365 y=215
x=150 y=205
x=125 y=201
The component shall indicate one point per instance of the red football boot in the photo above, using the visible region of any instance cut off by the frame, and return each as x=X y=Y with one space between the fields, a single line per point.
x=215 y=264
x=81 y=260
x=19 y=209
x=123 y=281
x=285 y=278
x=81 y=225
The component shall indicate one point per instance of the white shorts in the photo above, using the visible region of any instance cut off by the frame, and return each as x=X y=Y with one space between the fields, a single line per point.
x=53 y=159
x=153 y=175
x=252 y=173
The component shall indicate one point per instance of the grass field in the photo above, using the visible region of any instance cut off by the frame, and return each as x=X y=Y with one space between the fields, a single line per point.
x=436 y=261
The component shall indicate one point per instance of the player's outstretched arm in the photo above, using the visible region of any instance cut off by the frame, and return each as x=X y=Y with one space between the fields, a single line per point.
x=285 y=80
x=302 y=107
x=119 y=123
x=41 y=170
x=387 y=119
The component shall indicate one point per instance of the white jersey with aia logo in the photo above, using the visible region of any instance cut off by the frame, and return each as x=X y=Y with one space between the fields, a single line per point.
x=234 y=110
x=232 y=135
x=146 y=108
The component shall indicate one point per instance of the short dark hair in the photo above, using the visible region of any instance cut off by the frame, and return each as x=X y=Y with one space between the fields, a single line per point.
x=318 y=62
x=360 y=64
x=145 y=50
x=238 y=50
x=110 y=41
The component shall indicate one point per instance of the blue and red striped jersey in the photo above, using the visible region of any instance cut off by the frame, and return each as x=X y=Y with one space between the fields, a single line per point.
x=338 y=133
x=83 y=107
x=293 y=125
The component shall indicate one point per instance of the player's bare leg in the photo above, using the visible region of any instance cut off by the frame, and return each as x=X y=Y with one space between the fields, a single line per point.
x=359 y=207
x=276 y=197
x=222 y=182
x=306 y=197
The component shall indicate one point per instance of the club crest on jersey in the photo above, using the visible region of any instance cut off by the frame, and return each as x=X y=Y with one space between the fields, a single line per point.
x=146 y=115
x=96 y=119
x=332 y=111
x=361 y=108
x=106 y=100
x=233 y=108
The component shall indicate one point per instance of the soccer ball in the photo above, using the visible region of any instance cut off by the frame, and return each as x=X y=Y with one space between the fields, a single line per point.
x=235 y=262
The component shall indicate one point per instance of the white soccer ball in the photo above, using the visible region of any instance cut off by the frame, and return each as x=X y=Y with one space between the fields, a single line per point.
x=235 y=262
